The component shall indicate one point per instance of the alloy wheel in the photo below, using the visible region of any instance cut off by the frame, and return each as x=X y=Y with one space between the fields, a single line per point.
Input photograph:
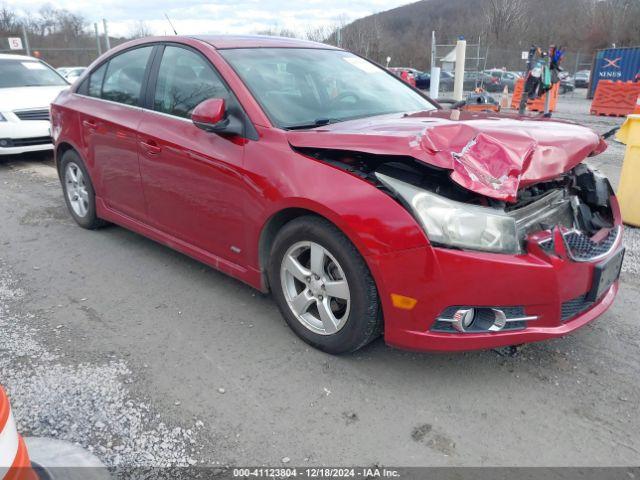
x=315 y=287
x=76 y=189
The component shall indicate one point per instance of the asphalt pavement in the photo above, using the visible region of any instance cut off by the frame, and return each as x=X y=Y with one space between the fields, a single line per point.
x=149 y=358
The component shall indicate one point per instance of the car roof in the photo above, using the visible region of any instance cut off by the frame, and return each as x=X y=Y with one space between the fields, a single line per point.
x=11 y=56
x=258 y=41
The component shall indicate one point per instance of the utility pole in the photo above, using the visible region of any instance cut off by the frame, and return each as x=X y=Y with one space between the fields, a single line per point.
x=107 y=43
x=95 y=28
x=25 y=39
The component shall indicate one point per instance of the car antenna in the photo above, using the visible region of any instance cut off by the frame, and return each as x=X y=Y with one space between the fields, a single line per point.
x=172 y=27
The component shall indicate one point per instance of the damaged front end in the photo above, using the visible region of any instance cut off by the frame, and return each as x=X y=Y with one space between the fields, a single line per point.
x=501 y=272
x=571 y=215
x=575 y=208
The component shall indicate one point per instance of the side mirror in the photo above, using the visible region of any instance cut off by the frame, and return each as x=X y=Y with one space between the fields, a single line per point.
x=210 y=115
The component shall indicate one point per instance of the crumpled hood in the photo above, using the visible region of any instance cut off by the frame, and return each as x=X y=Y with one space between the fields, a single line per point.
x=493 y=155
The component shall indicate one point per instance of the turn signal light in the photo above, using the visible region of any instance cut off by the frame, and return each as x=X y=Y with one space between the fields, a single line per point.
x=402 y=302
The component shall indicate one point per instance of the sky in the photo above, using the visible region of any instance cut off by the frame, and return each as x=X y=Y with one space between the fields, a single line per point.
x=223 y=16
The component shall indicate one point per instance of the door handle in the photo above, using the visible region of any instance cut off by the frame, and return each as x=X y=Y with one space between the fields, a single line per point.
x=151 y=147
x=90 y=124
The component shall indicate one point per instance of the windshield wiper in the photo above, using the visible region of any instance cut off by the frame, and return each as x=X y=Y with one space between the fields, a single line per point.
x=318 y=123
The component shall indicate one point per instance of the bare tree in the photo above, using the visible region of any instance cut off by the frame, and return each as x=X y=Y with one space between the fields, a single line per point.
x=276 y=31
x=139 y=30
x=504 y=17
x=320 y=33
x=403 y=33
x=8 y=20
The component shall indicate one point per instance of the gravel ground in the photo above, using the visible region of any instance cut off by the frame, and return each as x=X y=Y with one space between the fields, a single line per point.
x=632 y=256
x=148 y=358
x=85 y=403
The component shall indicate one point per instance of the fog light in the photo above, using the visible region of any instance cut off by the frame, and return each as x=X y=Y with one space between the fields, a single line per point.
x=499 y=320
x=468 y=319
x=4 y=142
x=463 y=319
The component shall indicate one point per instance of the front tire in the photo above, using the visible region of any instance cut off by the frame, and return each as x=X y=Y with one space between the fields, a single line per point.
x=79 y=194
x=323 y=286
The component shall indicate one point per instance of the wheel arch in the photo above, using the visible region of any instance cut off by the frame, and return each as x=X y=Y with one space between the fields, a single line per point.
x=269 y=232
x=279 y=219
x=61 y=149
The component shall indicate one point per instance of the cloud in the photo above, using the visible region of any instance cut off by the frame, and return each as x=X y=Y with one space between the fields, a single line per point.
x=223 y=16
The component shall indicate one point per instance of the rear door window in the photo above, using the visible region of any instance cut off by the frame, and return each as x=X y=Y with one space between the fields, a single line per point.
x=124 y=76
x=95 y=81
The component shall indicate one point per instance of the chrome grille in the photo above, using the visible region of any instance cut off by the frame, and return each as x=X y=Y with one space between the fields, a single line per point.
x=40 y=114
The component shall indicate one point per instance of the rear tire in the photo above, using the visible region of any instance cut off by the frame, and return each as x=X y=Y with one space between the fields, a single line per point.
x=332 y=304
x=78 y=191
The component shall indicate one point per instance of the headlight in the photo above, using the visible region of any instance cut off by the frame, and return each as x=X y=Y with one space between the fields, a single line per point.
x=2 y=119
x=457 y=224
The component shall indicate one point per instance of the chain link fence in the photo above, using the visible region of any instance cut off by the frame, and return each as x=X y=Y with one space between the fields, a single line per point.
x=58 y=49
x=493 y=68
x=70 y=55
x=483 y=63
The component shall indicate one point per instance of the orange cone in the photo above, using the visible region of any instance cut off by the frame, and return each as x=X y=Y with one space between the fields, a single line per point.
x=504 y=98
x=14 y=459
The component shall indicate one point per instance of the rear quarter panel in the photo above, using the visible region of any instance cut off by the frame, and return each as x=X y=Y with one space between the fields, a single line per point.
x=66 y=126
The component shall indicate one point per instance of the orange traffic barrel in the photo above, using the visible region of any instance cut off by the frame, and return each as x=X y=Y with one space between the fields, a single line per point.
x=14 y=459
x=537 y=104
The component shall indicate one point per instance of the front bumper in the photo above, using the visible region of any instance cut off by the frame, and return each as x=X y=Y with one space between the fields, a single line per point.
x=24 y=136
x=547 y=285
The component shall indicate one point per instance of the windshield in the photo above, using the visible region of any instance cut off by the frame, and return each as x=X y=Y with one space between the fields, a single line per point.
x=28 y=73
x=302 y=88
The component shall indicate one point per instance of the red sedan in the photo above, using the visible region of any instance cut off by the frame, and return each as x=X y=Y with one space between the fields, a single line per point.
x=307 y=171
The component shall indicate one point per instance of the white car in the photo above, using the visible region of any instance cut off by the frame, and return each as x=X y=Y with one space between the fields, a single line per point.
x=27 y=88
x=71 y=74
